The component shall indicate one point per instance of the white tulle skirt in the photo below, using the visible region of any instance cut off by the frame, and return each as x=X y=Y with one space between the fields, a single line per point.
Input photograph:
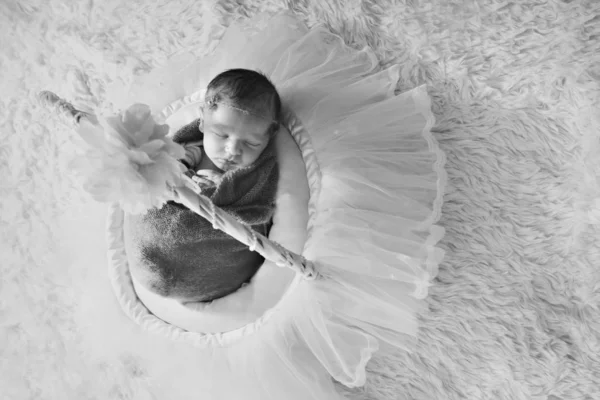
x=372 y=231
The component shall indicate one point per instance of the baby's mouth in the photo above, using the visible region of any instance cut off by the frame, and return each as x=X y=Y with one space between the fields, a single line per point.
x=227 y=165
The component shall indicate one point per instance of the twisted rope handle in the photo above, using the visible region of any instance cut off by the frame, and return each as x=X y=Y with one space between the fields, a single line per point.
x=195 y=201
x=267 y=248
x=65 y=110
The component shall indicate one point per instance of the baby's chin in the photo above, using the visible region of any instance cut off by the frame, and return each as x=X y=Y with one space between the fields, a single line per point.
x=227 y=166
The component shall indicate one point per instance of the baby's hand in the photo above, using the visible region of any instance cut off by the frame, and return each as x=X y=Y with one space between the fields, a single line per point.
x=207 y=178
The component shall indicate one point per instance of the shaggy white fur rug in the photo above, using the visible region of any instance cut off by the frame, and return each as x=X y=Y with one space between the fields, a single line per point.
x=515 y=311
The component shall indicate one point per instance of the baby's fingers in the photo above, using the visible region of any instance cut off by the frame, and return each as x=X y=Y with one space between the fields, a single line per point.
x=202 y=182
x=209 y=174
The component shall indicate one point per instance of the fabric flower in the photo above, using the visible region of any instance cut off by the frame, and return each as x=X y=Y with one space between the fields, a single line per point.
x=130 y=160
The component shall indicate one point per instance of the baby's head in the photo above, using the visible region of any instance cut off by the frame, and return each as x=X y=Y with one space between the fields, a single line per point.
x=241 y=114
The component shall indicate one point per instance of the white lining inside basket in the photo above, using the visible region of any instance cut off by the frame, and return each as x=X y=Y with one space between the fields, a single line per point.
x=289 y=229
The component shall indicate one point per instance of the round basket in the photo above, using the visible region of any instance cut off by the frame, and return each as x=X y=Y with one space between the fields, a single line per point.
x=228 y=319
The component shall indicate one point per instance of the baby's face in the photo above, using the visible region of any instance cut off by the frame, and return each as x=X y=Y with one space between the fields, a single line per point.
x=233 y=139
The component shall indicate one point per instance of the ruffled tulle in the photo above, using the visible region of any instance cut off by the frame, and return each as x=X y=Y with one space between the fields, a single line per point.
x=376 y=180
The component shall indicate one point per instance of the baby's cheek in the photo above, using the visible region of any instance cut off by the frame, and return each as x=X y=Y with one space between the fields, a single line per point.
x=253 y=156
x=211 y=150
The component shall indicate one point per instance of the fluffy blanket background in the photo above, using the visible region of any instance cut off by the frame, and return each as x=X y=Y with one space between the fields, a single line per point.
x=515 y=310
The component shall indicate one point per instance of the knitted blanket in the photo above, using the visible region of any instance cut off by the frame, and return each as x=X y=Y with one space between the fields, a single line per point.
x=178 y=253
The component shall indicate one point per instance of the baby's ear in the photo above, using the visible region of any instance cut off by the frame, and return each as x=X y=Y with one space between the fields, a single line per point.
x=274 y=128
x=200 y=118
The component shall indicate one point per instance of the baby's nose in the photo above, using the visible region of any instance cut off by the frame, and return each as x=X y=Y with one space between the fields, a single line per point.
x=234 y=149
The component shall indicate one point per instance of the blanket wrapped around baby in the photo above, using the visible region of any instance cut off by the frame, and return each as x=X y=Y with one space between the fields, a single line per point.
x=176 y=253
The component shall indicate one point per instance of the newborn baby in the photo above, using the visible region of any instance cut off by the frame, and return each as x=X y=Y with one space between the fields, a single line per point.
x=230 y=155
